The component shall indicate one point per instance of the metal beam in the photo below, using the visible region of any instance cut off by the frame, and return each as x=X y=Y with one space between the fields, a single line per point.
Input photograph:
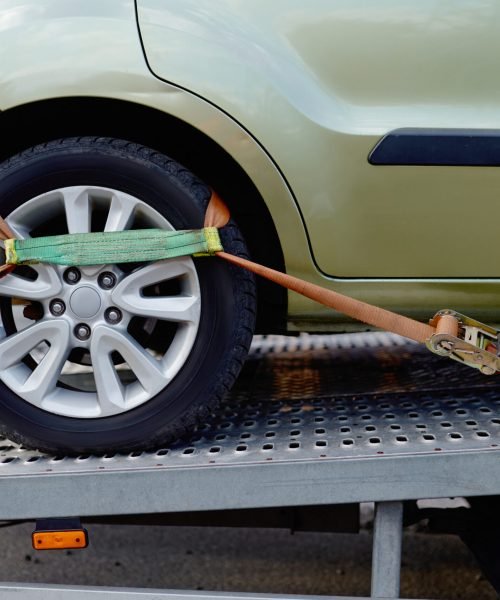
x=387 y=542
x=15 y=591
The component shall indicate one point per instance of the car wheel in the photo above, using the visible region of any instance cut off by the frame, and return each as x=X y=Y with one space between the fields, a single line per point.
x=120 y=356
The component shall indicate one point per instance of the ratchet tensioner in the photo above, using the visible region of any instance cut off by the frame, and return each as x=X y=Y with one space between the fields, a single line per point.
x=470 y=342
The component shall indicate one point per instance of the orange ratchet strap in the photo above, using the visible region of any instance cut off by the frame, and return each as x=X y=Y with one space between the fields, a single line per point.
x=448 y=334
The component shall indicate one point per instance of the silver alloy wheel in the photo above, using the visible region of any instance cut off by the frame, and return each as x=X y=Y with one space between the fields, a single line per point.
x=123 y=372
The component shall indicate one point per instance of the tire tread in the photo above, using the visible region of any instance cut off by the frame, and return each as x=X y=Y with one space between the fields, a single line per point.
x=243 y=287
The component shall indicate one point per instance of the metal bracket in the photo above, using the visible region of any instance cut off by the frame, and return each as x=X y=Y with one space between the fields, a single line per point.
x=475 y=344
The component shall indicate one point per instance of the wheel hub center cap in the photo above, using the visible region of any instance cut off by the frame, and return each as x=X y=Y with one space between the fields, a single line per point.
x=85 y=302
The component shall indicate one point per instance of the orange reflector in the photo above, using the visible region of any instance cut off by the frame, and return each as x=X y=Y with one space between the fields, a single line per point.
x=59 y=540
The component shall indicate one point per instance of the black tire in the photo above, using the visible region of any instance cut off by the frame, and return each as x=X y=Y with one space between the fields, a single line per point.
x=227 y=297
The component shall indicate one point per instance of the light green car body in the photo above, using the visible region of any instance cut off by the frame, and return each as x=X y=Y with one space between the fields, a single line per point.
x=299 y=93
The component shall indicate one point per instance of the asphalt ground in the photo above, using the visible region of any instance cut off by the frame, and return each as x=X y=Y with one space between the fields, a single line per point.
x=244 y=560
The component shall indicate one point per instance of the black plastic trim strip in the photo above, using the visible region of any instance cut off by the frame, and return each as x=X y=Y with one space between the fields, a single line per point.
x=438 y=147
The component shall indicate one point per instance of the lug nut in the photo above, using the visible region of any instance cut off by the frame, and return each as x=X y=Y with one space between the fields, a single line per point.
x=82 y=331
x=72 y=275
x=106 y=280
x=113 y=315
x=57 y=307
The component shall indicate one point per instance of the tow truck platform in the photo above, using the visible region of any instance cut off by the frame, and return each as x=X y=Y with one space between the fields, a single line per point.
x=313 y=420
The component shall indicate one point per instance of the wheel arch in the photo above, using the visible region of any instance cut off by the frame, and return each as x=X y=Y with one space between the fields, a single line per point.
x=26 y=125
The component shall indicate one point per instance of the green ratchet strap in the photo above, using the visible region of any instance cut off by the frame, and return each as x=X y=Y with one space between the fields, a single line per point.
x=137 y=245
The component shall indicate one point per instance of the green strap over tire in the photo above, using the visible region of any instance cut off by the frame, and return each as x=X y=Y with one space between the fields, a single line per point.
x=137 y=245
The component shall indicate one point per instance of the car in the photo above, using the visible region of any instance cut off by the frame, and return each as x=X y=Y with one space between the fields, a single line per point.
x=355 y=143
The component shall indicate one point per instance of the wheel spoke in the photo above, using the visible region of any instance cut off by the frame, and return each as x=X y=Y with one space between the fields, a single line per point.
x=147 y=370
x=110 y=390
x=47 y=284
x=184 y=307
x=121 y=212
x=21 y=231
x=156 y=272
x=143 y=365
x=44 y=377
x=180 y=309
x=78 y=209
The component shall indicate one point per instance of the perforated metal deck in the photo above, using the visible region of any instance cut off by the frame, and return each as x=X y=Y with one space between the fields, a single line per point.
x=312 y=420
